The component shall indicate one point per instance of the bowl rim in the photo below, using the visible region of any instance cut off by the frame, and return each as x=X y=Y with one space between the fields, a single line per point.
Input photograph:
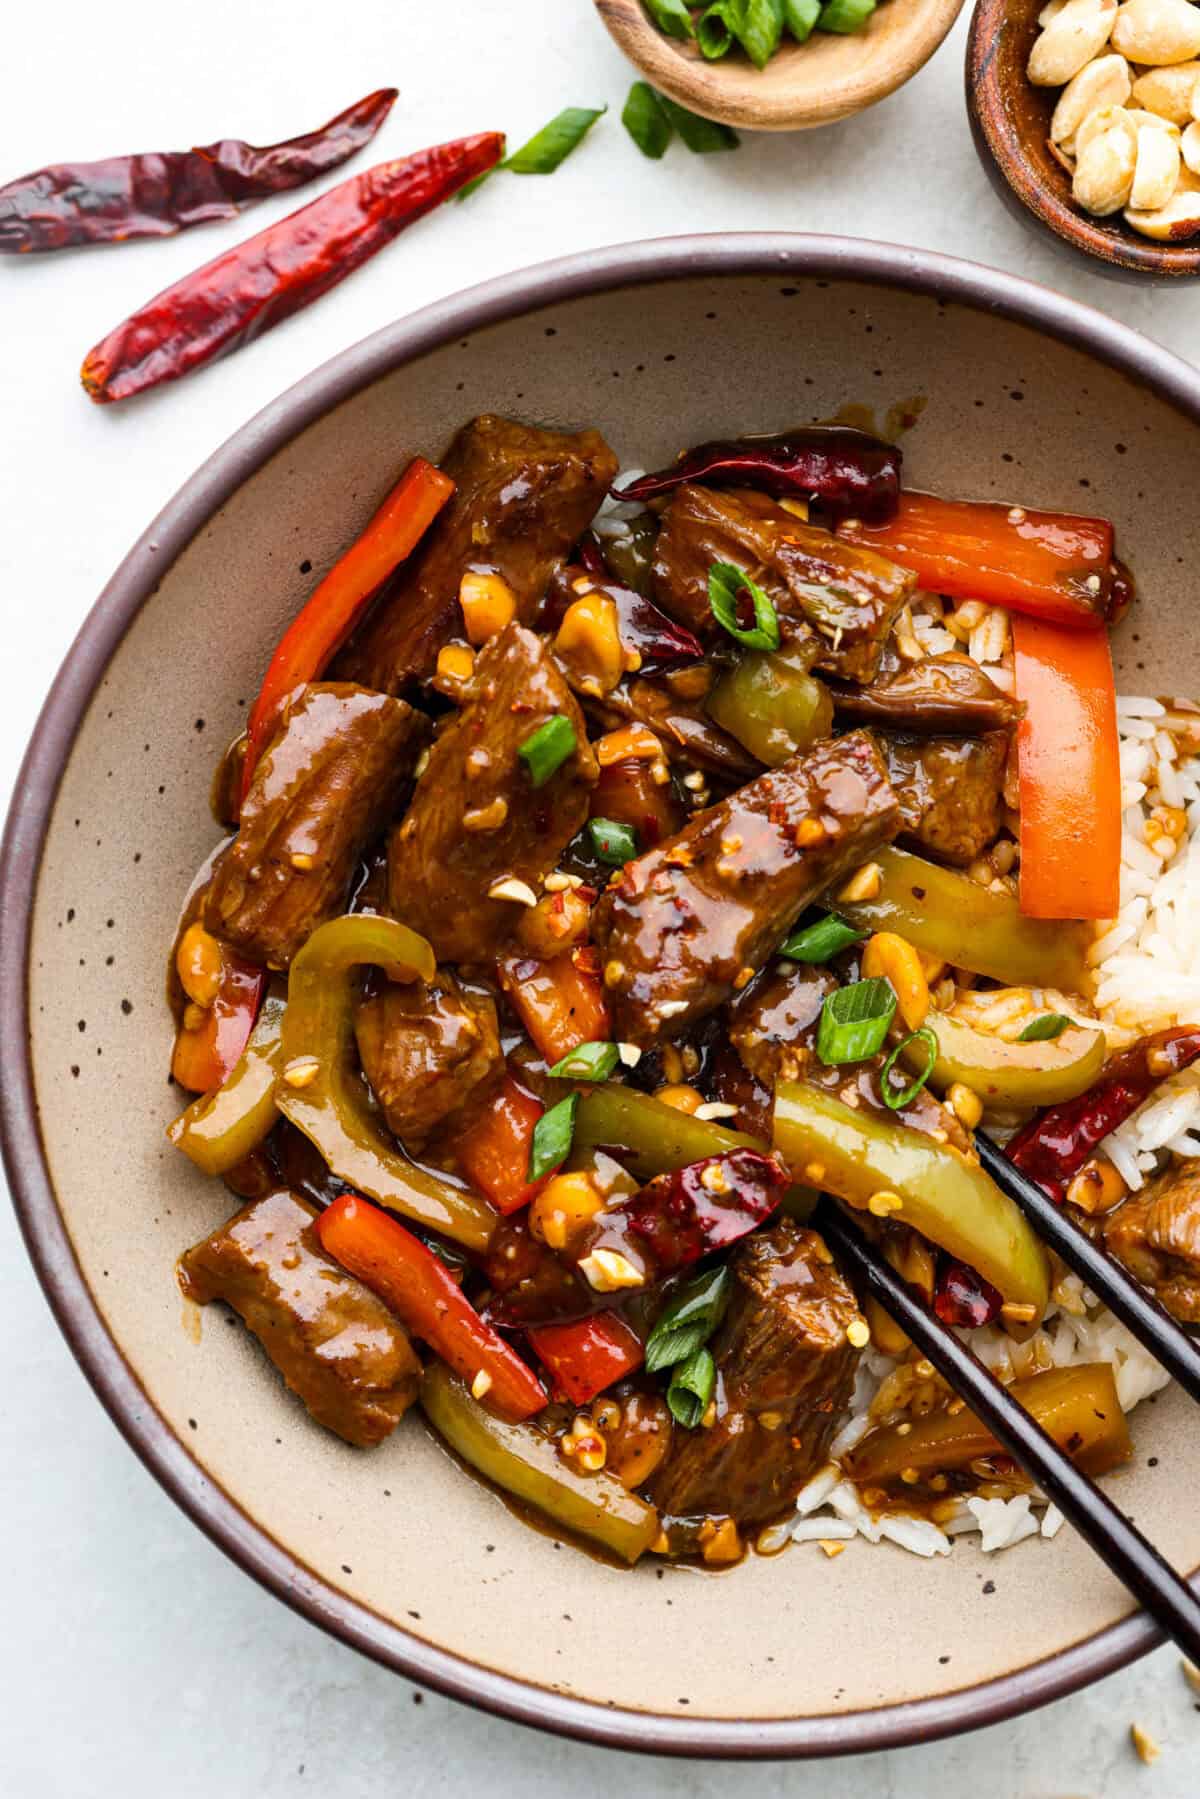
x=219 y=1516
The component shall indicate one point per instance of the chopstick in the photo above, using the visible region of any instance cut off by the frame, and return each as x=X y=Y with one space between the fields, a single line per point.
x=1137 y=1309
x=1131 y=1557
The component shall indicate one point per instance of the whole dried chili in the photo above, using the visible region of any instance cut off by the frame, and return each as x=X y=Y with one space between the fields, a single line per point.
x=963 y=1297
x=156 y=195
x=263 y=281
x=680 y=1216
x=1056 y=1144
x=849 y=473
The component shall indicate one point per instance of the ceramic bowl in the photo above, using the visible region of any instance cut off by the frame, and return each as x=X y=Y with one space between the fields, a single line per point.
x=828 y=78
x=1010 y=121
x=1018 y=394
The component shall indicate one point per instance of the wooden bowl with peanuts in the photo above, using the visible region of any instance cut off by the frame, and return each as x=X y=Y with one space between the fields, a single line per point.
x=1086 y=114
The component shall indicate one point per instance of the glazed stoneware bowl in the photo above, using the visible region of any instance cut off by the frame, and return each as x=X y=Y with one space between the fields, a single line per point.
x=1016 y=394
x=830 y=77
x=1010 y=122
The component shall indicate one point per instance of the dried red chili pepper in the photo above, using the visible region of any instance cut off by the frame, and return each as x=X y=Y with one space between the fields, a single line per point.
x=964 y=1298
x=708 y=1205
x=850 y=473
x=1056 y=1144
x=261 y=282
x=156 y=195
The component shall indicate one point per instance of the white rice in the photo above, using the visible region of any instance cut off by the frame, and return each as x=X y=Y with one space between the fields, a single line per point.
x=1147 y=963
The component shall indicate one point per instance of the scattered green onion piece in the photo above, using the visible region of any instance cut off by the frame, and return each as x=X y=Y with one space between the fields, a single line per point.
x=898 y=1098
x=588 y=1062
x=725 y=582
x=646 y=122
x=800 y=16
x=692 y=1386
x=689 y=1321
x=818 y=942
x=552 y=1136
x=547 y=749
x=845 y=15
x=613 y=842
x=702 y=136
x=554 y=142
x=1045 y=1028
x=855 y=1021
x=671 y=16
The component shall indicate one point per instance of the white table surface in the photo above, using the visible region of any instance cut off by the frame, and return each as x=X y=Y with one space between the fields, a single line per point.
x=133 y=1657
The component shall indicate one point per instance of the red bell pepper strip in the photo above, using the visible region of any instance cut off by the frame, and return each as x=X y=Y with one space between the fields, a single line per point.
x=561 y=1003
x=329 y=615
x=1055 y=1145
x=204 y=1056
x=259 y=283
x=424 y=1295
x=584 y=1358
x=1051 y=565
x=493 y=1151
x=1069 y=759
x=125 y=197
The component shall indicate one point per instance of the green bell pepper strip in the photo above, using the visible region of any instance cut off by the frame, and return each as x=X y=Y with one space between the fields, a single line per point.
x=652 y=1138
x=333 y=1109
x=1038 y=1073
x=1078 y=1407
x=220 y=1129
x=525 y=1463
x=772 y=705
x=943 y=1196
x=946 y=914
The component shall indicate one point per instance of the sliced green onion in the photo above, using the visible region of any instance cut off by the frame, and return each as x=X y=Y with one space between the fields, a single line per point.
x=554 y=142
x=692 y=1386
x=587 y=1062
x=671 y=16
x=552 y=1136
x=702 y=136
x=855 y=1021
x=1045 y=1028
x=547 y=749
x=759 y=28
x=818 y=942
x=800 y=16
x=646 y=122
x=845 y=15
x=689 y=1321
x=714 y=29
x=898 y=1098
x=612 y=841
x=725 y=583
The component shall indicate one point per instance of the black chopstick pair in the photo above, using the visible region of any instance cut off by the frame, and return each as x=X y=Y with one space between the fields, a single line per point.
x=1171 y=1602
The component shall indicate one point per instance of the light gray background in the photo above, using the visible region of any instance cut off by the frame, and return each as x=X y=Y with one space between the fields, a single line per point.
x=133 y=1657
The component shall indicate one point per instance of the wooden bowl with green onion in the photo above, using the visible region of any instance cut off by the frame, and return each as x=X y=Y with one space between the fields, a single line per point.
x=830 y=77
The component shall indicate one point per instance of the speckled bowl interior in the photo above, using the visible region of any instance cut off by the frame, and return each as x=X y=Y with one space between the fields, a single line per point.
x=1015 y=394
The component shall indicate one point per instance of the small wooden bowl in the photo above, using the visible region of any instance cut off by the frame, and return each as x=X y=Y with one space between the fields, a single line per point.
x=1010 y=119
x=803 y=85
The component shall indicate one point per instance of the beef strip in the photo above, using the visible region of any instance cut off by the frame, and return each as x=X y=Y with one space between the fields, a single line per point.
x=687 y=924
x=785 y=1374
x=476 y=817
x=842 y=606
x=1156 y=1233
x=428 y=1051
x=329 y=780
x=773 y=1028
x=951 y=792
x=522 y=498
x=336 y=1345
x=939 y=694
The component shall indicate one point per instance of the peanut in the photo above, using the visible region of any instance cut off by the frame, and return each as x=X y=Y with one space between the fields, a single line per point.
x=1189 y=145
x=1156 y=31
x=897 y=961
x=1175 y=222
x=1070 y=41
x=1105 y=118
x=1156 y=172
x=1168 y=92
x=1104 y=82
x=1104 y=173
